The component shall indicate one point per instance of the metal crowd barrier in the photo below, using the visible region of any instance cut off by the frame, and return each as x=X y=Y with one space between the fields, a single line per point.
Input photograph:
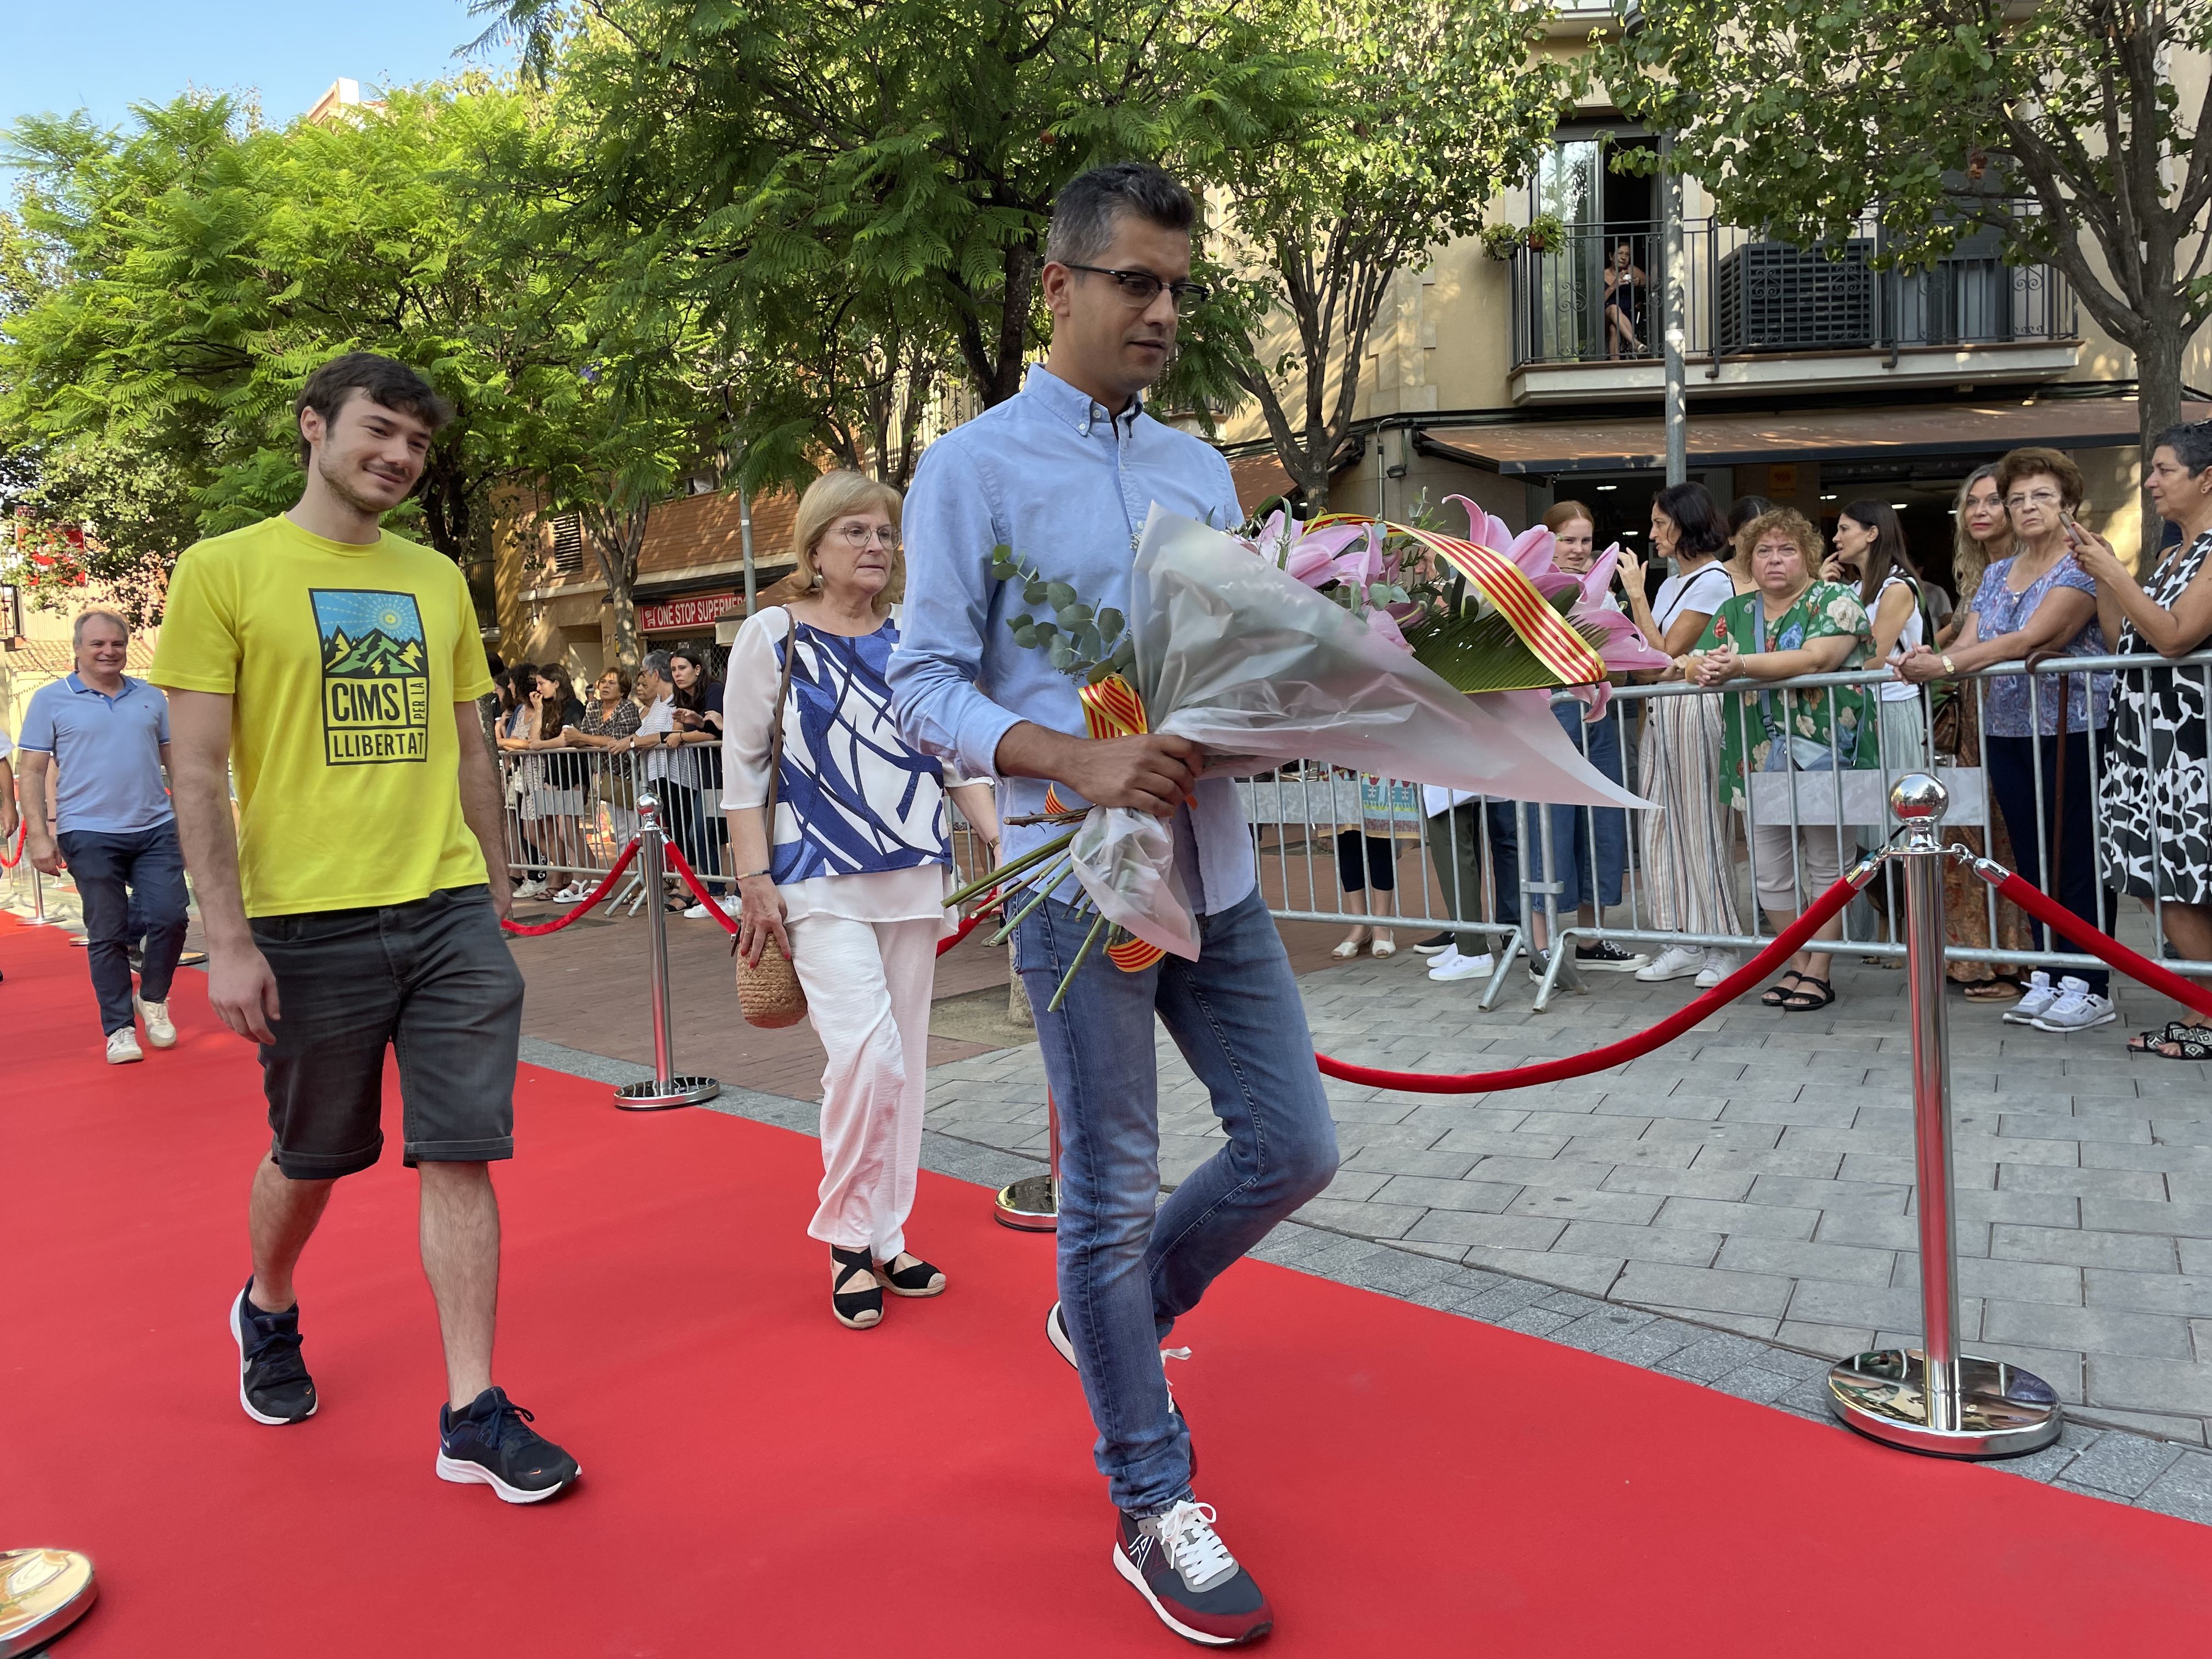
x=569 y=812
x=1511 y=871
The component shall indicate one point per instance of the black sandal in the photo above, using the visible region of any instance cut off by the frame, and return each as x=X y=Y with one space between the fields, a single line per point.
x=2195 y=1041
x=1779 y=993
x=855 y=1309
x=919 y=1280
x=1802 y=1001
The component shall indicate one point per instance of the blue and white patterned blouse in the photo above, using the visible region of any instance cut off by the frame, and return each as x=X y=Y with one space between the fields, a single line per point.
x=1998 y=610
x=853 y=798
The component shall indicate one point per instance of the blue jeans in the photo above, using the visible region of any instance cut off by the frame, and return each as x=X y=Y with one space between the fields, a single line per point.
x=1129 y=1265
x=132 y=886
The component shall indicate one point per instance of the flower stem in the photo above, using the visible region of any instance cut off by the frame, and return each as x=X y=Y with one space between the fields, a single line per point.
x=1068 y=979
x=1035 y=856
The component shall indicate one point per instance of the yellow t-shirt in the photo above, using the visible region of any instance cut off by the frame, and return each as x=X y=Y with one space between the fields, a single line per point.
x=345 y=663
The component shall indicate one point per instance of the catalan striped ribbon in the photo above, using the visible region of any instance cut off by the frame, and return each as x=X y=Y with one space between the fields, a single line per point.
x=1112 y=709
x=1499 y=579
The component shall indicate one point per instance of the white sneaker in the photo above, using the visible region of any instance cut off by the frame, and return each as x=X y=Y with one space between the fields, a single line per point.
x=122 y=1047
x=532 y=889
x=696 y=913
x=1453 y=965
x=2076 y=1008
x=2039 y=996
x=732 y=904
x=159 y=1031
x=1675 y=961
x=574 y=893
x=1719 y=965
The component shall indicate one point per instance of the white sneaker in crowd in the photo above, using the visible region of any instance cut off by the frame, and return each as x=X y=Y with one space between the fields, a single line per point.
x=1451 y=964
x=159 y=1031
x=532 y=889
x=574 y=893
x=1719 y=965
x=695 y=913
x=2076 y=1008
x=732 y=904
x=122 y=1047
x=1675 y=961
x=2039 y=996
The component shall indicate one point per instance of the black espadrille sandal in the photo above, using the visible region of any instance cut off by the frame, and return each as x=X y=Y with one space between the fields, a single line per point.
x=855 y=1309
x=918 y=1278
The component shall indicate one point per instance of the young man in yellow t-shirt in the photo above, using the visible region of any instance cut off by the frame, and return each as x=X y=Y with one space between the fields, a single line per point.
x=357 y=905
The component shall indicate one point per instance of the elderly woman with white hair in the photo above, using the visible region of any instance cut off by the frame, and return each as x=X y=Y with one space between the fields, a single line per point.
x=850 y=881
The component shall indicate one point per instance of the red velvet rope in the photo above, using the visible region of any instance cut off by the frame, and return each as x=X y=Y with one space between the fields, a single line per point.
x=715 y=908
x=1785 y=945
x=2055 y=915
x=23 y=828
x=591 y=899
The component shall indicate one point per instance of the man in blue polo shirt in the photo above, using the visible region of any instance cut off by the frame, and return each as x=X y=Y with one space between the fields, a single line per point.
x=108 y=736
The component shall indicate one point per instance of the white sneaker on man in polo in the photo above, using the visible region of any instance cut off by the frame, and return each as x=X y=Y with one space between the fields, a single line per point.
x=160 y=1030
x=123 y=1046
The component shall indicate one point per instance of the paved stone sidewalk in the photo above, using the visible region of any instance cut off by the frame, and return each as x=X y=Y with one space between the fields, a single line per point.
x=2113 y=1464
x=1757 y=1175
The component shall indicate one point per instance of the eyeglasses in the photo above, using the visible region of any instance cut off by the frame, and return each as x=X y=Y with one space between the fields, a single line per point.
x=2034 y=498
x=859 y=535
x=1141 y=288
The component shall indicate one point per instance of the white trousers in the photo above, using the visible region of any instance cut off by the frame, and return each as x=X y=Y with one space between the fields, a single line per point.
x=867 y=995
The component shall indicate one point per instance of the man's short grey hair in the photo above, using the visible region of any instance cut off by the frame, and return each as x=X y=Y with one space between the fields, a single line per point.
x=1083 y=215
x=77 y=634
x=657 y=662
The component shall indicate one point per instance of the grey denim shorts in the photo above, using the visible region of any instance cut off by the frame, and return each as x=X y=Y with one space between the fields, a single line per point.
x=432 y=979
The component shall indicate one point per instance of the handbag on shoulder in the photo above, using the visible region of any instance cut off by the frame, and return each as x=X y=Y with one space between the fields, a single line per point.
x=770 y=995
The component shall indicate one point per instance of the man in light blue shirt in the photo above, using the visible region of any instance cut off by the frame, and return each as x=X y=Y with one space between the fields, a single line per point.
x=106 y=737
x=1065 y=474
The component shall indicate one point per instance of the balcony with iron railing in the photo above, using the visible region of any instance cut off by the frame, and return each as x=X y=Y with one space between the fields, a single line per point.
x=1762 y=315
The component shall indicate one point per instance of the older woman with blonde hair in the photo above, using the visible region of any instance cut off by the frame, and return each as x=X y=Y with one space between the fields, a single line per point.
x=850 y=880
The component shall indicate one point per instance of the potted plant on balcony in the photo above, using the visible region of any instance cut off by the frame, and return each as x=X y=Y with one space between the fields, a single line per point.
x=1502 y=242
x=1546 y=234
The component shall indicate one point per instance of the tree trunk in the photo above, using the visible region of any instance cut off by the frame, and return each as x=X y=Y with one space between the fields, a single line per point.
x=2158 y=401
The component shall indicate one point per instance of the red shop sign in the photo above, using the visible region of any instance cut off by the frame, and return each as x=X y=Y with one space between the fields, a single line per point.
x=693 y=610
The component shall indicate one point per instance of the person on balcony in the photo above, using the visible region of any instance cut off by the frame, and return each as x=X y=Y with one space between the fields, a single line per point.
x=2157 y=809
x=1625 y=287
x=2040 y=601
x=1688 y=845
x=1981 y=537
x=1796 y=623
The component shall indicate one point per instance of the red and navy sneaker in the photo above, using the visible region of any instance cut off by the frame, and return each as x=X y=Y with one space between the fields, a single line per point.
x=1179 y=1563
x=492 y=1443
x=273 y=1384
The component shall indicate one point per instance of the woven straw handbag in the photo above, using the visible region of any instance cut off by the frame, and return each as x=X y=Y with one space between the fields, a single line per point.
x=770 y=995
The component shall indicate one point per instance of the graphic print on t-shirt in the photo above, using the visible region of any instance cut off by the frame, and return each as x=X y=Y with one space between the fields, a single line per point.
x=376 y=676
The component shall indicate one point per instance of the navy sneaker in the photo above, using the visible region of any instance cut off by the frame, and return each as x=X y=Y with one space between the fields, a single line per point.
x=492 y=1443
x=1179 y=1563
x=273 y=1384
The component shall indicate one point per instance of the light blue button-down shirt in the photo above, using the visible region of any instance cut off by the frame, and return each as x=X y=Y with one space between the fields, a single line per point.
x=1052 y=474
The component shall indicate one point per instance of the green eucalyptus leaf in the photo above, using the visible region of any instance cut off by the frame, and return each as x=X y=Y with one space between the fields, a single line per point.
x=1074 y=613
x=1063 y=657
x=1035 y=592
x=1111 y=622
x=1059 y=595
x=1044 y=630
x=1024 y=637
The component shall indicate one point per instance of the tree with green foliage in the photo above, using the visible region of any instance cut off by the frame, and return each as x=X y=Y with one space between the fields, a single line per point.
x=190 y=272
x=1420 y=111
x=859 y=194
x=2059 y=125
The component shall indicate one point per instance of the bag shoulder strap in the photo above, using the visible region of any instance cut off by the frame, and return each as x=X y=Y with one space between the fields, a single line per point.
x=776 y=742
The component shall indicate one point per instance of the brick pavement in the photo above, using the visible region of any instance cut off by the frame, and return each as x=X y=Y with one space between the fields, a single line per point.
x=1756 y=1175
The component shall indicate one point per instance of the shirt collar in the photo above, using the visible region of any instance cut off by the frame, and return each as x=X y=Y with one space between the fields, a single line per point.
x=76 y=684
x=1062 y=401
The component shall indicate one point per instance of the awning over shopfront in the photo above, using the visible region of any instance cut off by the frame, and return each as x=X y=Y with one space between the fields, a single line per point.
x=1904 y=433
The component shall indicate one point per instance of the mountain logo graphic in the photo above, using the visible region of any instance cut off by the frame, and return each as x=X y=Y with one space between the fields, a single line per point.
x=376 y=678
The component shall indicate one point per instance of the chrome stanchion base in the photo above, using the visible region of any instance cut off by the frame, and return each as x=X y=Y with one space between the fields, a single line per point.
x=42 y=1594
x=1031 y=1205
x=2003 y=1411
x=663 y=1092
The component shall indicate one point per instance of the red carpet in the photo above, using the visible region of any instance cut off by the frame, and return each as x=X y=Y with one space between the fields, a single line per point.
x=759 y=1481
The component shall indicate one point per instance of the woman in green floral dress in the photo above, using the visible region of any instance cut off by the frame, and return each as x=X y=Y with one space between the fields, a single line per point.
x=1790 y=624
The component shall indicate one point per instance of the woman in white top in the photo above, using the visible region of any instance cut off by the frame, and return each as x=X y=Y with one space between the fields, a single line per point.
x=1688 y=844
x=1870 y=555
x=852 y=887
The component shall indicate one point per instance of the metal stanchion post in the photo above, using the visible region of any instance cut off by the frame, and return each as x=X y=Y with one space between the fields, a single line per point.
x=42 y=1594
x=667 y=1089
x=1032 y=1204
x=39 y=916
x=1934 y=1399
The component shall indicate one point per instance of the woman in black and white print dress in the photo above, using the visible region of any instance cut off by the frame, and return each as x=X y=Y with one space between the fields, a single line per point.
x=2156 y=792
